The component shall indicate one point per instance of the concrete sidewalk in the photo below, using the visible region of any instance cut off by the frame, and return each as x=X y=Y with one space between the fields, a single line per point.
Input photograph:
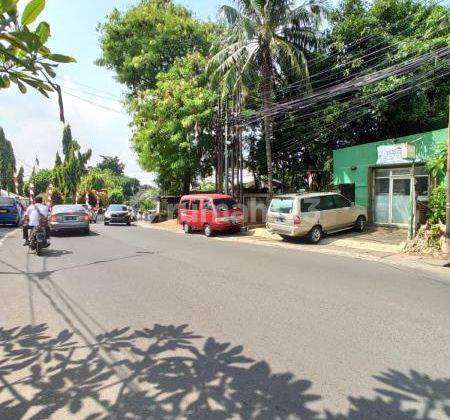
x=377 y=244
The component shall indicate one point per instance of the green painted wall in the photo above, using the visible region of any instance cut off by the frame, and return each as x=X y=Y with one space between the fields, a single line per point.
x=365 y=155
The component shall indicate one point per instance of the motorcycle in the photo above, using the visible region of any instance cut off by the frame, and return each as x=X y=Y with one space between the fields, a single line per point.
x=38 y=239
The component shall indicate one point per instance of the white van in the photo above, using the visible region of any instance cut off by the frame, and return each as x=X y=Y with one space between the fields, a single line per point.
x=314 y=214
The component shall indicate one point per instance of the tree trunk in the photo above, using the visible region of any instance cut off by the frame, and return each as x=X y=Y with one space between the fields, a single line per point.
x=186 y=183
x=267 y=93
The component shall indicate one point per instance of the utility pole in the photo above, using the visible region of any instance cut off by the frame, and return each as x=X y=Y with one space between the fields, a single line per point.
x=241 y=156
x=446 y=247
x=225 y=178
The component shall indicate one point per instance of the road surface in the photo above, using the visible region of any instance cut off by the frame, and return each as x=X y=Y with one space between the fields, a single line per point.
x=139 y=323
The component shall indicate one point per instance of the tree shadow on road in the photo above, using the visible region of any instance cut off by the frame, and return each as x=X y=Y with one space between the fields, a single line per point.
x=168 y=372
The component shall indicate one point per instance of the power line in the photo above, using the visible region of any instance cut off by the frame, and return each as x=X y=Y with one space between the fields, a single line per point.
x=95 y=103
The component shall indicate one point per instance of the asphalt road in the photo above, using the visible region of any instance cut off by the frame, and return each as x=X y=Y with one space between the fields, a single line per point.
x=138 y=323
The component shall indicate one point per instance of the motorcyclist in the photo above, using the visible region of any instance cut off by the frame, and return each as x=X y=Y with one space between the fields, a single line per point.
x=31 y=218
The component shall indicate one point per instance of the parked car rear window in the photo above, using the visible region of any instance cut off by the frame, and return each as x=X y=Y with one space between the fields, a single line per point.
x=68 y=208
x=195 y=205
x=7 y=201
x=341 y=201
x=224 y=204
x=282 y=205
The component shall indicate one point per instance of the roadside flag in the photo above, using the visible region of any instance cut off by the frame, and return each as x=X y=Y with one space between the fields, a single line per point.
x=31 y=191
x=49 y=195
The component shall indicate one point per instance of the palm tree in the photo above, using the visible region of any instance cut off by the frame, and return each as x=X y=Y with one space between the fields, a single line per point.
x=261 y=39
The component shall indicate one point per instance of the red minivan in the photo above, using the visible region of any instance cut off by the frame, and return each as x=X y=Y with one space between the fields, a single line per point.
x=210 y=213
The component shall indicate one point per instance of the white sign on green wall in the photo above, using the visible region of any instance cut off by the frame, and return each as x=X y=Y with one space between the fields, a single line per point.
x=389 y=154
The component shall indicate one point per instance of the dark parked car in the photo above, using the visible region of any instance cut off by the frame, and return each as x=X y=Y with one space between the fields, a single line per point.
x=117 y=213
x=10 y=211
x=69 y=217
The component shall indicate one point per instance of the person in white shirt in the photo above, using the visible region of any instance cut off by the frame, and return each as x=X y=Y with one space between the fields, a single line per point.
x=31 y=218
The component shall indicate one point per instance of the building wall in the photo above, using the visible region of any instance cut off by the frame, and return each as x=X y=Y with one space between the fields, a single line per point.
x=365 y=155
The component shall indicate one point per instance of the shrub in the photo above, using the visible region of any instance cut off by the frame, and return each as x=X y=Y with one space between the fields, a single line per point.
x=436 y=204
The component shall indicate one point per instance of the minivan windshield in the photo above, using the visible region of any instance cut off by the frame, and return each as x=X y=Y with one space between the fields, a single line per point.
x=117 y=207
x=224 y=204
x=7 y=201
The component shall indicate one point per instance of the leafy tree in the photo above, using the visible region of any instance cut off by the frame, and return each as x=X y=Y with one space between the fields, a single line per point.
x=130 y=186
x=25 y=59
x=173 y=135
x=398 y=30
x=116 y=197
x=266 y=37
x=69 y=173
x=437 y=165
x=20 y=180
x=112 y=163
x=98 y=180
x=42 y=179
x=58 y=160
x=145 y=40
x=380 y=33
x=67 y=142
x=7 y=163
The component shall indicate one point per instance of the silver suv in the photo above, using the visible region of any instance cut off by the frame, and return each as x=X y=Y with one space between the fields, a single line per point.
x=314 y=214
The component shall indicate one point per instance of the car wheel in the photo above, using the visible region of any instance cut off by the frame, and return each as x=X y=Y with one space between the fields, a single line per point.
x=360 y=224
x=106 y=223
x=286 y=238
x=315 y=234
x=207 y=230
x=86 y=231
x=128 y=223
x=186 y=228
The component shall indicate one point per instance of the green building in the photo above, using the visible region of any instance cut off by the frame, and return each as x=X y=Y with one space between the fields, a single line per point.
x=379 y=175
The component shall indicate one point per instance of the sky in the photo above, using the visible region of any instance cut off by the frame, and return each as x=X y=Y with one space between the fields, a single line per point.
x=98 y=120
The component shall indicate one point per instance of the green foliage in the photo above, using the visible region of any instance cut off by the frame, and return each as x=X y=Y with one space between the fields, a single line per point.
x=130 y=186
x=112 y=163
x=173 y=135
x=20 y=181
x=98 y=180
x=438 y=164
x=42 y=179
x=144 y=199
x=7 y=163
x=25 y=60
x=106 y=181
x=381 y=33
x=116 y=197
x=69 y=173
x=436 y=204
x=145 y=41
x=58 y=160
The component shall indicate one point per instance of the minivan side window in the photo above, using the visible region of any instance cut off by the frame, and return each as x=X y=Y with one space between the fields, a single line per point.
x=184 y=204
x=310 y=204
x=207 y=205
x=341 y=201
x=195 y=205
x=326 y=203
